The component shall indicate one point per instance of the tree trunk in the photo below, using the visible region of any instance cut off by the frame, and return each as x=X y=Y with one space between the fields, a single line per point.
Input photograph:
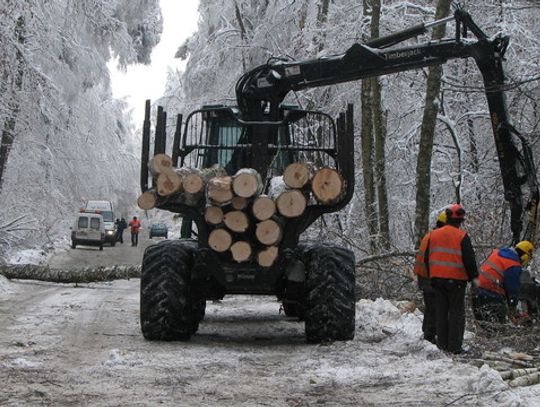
x=219 y=190
x=379 y=130
x=73 y=275
x=219 y=240
x=264 y=207
x=269 y=232
x=328 y=186
x=237 y=221
x=8 y=131
x=423 y=165
x=296 y=175
x=267 y=257
x=147 y=200
x=213 y=215
x=241 y=251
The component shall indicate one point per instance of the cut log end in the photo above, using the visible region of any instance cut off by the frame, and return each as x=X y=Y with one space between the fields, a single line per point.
x=237 y=221
x=267 y=257
x=241 y=251
x=219 y=240
x=296 y=175
x=247 y=183
x=219 y=190
x=168 y=183
x=239 y=203
x=147 y=200
x=291 y=203
x=328 y=186
x=263 y=208
x=160 y=163
x=213 y=215
x=269 y=232
x=193 y=183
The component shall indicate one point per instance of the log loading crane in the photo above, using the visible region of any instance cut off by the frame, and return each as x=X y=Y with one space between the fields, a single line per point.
x=314 y=281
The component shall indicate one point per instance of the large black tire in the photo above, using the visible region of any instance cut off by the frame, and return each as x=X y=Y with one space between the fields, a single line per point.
x=167 y=307
x=330 y=296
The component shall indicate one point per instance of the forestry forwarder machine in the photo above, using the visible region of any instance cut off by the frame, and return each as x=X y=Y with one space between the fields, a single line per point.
x=314 y=281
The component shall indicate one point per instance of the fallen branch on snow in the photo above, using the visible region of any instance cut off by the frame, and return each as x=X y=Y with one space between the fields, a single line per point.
x=72 y=275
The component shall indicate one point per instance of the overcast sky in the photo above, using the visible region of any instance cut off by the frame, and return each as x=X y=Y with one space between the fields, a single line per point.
x=142 y=82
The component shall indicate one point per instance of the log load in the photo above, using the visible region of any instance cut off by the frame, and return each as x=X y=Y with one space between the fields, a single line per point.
x=328 y=186
x=219 y=240
x=247 y=183
x=241 y=251
x=269 y=232
x=267 y=257
x=195 y=180
x=219 y=190
x=291 y=203
x=296 y=175
x=159 y=163
x=147 y=200
x=237 y=221
x=263 y=207
x=213 y=215
x=168 y=183
x=239 y=203
x=193 y=183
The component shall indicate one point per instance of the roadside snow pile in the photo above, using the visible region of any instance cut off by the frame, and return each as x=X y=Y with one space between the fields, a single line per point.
x=5 y=285
x=28 y=256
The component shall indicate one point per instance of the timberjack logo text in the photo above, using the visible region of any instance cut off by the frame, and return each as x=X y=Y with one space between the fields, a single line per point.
x=402 y=54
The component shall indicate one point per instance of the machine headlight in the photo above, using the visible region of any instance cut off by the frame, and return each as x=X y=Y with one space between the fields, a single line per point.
x=110 y=232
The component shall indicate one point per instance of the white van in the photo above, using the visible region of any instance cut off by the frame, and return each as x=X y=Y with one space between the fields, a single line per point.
x=88 y=230
x=105 y=208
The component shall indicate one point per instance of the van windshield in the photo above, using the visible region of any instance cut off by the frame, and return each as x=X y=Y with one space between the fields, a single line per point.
x=107 y=216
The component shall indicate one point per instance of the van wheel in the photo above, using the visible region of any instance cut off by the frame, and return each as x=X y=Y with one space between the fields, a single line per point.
x=101 y=246
x=73 y=244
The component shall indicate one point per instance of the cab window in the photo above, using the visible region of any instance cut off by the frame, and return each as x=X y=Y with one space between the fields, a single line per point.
x=94 y=223
x=83 y=223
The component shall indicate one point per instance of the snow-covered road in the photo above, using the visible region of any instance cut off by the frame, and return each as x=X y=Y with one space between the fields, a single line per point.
x=65 y=345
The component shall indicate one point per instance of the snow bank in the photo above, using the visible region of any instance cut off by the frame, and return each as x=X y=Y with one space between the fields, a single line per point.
x=5 y=285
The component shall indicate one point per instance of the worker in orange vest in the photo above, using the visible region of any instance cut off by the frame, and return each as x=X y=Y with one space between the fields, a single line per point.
x=499 y=282
x=451 y=264
x=424 y=284
x=135 y=225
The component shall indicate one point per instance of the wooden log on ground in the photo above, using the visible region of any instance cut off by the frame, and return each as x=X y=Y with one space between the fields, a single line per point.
x=239 y=203
x=71 y=275
x=159 y=163
x=168 y=183
x=291 y=203
x=219 y=240
x=263 y=207
x=247 y=183
x=213 y=215
x=147 y=200
x=527 y=380
x=269 y=232
x=297 y=175
x=267 y=257
x=328 y=186
x=241 y=251
x=498 y=357
x=237 y=221
x=219 y=190
x=515 y=373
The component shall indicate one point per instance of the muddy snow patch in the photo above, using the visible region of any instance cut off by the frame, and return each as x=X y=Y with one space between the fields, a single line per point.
x=21 y=363
x=118 y=358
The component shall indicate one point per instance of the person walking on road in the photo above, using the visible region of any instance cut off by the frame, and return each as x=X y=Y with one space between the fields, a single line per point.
x=120 y=227
x=497 y=294
x=451 y=263
x=424 y=284
x=135 y=225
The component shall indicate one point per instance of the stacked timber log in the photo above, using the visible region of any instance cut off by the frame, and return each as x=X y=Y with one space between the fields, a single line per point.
x=517 y=369
x=245 y=221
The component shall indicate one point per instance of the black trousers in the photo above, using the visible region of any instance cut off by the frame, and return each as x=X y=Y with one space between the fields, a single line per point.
x=430 y=317
x=120 y=235
x=134 y=239
x=450 y=313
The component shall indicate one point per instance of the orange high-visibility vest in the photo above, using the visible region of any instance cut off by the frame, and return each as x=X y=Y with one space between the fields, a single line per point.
x=492 y=272
x=420 y=268
x=445 y=259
